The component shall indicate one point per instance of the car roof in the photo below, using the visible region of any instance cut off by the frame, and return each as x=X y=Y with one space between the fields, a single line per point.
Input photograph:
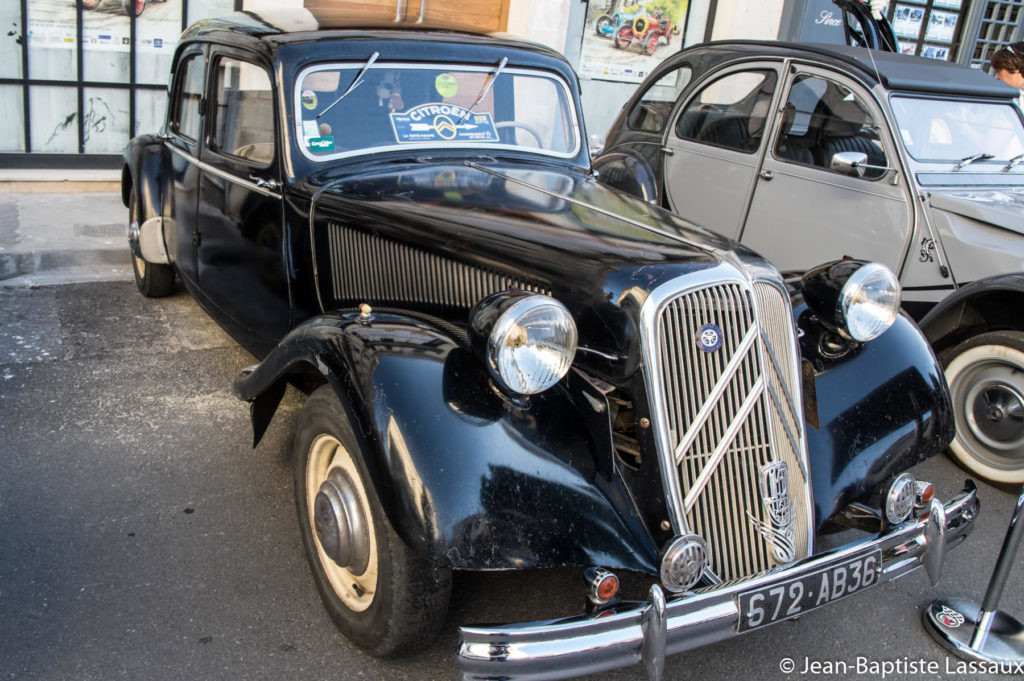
x=282 y=26
x=899 y=72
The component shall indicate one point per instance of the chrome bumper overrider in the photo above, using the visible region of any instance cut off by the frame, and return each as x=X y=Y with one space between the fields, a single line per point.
x=645 y=633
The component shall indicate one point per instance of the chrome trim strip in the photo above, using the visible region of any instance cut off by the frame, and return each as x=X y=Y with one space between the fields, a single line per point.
x=222 y=174
x=572 y=646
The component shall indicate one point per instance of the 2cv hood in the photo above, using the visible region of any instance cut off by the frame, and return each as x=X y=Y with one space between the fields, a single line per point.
x=1000 y=207
x=543 y=228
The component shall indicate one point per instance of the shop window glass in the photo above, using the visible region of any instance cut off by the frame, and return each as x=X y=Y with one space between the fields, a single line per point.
x=106 y=116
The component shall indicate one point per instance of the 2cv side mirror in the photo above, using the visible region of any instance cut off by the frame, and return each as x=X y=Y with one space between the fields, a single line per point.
x=854 y=164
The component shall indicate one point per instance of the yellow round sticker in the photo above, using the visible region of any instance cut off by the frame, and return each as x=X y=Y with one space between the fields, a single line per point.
x=309 y=99
x=446 y=85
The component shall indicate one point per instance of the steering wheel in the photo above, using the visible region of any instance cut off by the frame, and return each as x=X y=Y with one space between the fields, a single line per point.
x=524 y=126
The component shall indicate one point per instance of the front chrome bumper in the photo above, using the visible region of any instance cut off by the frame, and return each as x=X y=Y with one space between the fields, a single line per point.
x=645 y=633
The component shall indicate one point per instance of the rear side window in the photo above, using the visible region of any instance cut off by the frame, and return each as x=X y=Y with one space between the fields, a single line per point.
x=730 y=112
x=244 y=111
x=651 y=112
x=185 y=120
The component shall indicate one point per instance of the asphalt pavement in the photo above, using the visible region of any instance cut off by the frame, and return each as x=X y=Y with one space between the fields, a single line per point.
x=142 y=537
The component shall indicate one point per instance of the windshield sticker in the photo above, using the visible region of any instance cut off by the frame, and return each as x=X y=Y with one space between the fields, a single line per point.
x=309 y=99
x=446 y=85
x=441 y=122
x=321 y=144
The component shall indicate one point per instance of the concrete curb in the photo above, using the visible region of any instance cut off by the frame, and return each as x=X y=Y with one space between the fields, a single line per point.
x=30 y=262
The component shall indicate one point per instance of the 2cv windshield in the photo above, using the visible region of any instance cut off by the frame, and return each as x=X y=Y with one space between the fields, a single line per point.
x=354 y=108
x=951 y=130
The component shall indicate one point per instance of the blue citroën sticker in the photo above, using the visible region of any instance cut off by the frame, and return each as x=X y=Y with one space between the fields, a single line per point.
x=440 y=122
x=710 y=338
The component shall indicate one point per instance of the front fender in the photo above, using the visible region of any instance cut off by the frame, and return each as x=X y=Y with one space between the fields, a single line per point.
x=468 y=478
x=990 y=304
x=146 y=174
x=873 y=410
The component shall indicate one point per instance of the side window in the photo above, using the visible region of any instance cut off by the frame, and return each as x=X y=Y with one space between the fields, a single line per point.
x=822 y=118
x=185 y=120
x=730 y=112
x=243 y=115
x=652 y=110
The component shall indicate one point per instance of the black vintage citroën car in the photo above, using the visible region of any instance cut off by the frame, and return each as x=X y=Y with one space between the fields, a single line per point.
x=509 y=365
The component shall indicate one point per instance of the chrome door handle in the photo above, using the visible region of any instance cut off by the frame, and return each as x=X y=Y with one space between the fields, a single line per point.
x=262 y=183
x=668 y=151
x=767 y=174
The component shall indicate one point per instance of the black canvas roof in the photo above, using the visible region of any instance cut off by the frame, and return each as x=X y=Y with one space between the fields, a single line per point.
x=899 y=72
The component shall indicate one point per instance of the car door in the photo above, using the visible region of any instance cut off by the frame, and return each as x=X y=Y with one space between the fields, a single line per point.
x=803 y=212
x=184 y=133
x=240 y=253
x=713 y=150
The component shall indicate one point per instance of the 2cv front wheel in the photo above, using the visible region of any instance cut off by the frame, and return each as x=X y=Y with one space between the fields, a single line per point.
x=986 y=382
x=385 y=598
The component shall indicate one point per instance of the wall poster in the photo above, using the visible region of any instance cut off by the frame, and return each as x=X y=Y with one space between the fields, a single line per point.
x=623 y=42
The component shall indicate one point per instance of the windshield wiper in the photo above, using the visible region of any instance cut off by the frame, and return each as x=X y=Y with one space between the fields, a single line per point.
x=487 y=87
x=356 y=82
x=1014 y=162
x=968 y=160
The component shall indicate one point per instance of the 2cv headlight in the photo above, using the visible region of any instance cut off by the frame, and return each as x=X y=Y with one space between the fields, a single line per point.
x=858 y=299
x=528 y=341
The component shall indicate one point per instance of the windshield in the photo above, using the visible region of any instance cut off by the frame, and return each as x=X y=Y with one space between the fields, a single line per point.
x=949 y=130
x=352 y=108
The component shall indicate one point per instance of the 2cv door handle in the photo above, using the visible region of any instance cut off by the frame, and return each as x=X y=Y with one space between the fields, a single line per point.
x=767 y=174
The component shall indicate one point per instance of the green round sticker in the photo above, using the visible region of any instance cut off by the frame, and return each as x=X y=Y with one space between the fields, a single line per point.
x=309 y=99
x=446 y=85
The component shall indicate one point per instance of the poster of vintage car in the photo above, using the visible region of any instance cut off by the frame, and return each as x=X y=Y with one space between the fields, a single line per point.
x=623 y=42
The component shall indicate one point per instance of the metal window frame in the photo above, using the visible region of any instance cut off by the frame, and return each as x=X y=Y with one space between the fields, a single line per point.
x=985 y=32
x=31 y=158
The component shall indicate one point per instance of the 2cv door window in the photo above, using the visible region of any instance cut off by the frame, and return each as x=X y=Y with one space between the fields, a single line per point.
x=244 y=111
x=651 y=112
x=822 y=118
x=730 y=112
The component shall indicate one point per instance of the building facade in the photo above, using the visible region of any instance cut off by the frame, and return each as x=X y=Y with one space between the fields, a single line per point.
x=78 y=78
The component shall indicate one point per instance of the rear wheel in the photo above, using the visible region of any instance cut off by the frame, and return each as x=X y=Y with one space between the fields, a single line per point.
x=90 y=4
x=603 y=25
x=384 y=597
x=153 y=280
x=133 y=7
x=986 y=382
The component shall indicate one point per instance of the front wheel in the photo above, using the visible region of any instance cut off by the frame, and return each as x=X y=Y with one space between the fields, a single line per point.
x=153 y=280
x=133 y=7
x=384 y=597
x=986 y=383
x=623 y=37
x=651 y=44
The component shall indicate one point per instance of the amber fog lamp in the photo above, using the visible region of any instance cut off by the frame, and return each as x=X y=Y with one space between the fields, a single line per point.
x=528 y=341
x=858 y=299
x=602 y=585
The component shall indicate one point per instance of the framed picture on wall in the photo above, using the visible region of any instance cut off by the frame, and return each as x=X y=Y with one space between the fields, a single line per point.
x=941 y=27
x=907 y=20
x=950 y=4
x=935 y=52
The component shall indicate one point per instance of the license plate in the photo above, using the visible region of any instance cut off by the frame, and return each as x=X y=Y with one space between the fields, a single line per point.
x=792 y=597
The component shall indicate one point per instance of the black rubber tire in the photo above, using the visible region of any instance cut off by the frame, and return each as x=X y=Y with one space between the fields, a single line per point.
x=152 y=280
x=619 y=39
x=603 y=22
x=409 y=603
x=985 y=374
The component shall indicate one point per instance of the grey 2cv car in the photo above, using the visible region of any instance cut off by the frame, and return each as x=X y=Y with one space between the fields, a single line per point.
x=811 y=152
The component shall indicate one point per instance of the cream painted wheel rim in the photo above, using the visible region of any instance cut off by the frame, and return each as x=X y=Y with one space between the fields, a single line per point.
x=355 y=591
x=986 y=384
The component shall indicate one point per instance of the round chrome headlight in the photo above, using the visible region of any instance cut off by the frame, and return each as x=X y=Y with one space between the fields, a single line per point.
x=531 y=343
x=860 y=300
x=869 y=301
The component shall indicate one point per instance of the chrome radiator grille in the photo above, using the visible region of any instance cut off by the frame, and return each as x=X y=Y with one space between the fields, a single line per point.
x=366 y=267
x=728 y=414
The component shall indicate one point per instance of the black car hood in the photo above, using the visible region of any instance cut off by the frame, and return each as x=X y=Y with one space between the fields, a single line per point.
x=1002 y=207
x=542 y=228
x=537 y=217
